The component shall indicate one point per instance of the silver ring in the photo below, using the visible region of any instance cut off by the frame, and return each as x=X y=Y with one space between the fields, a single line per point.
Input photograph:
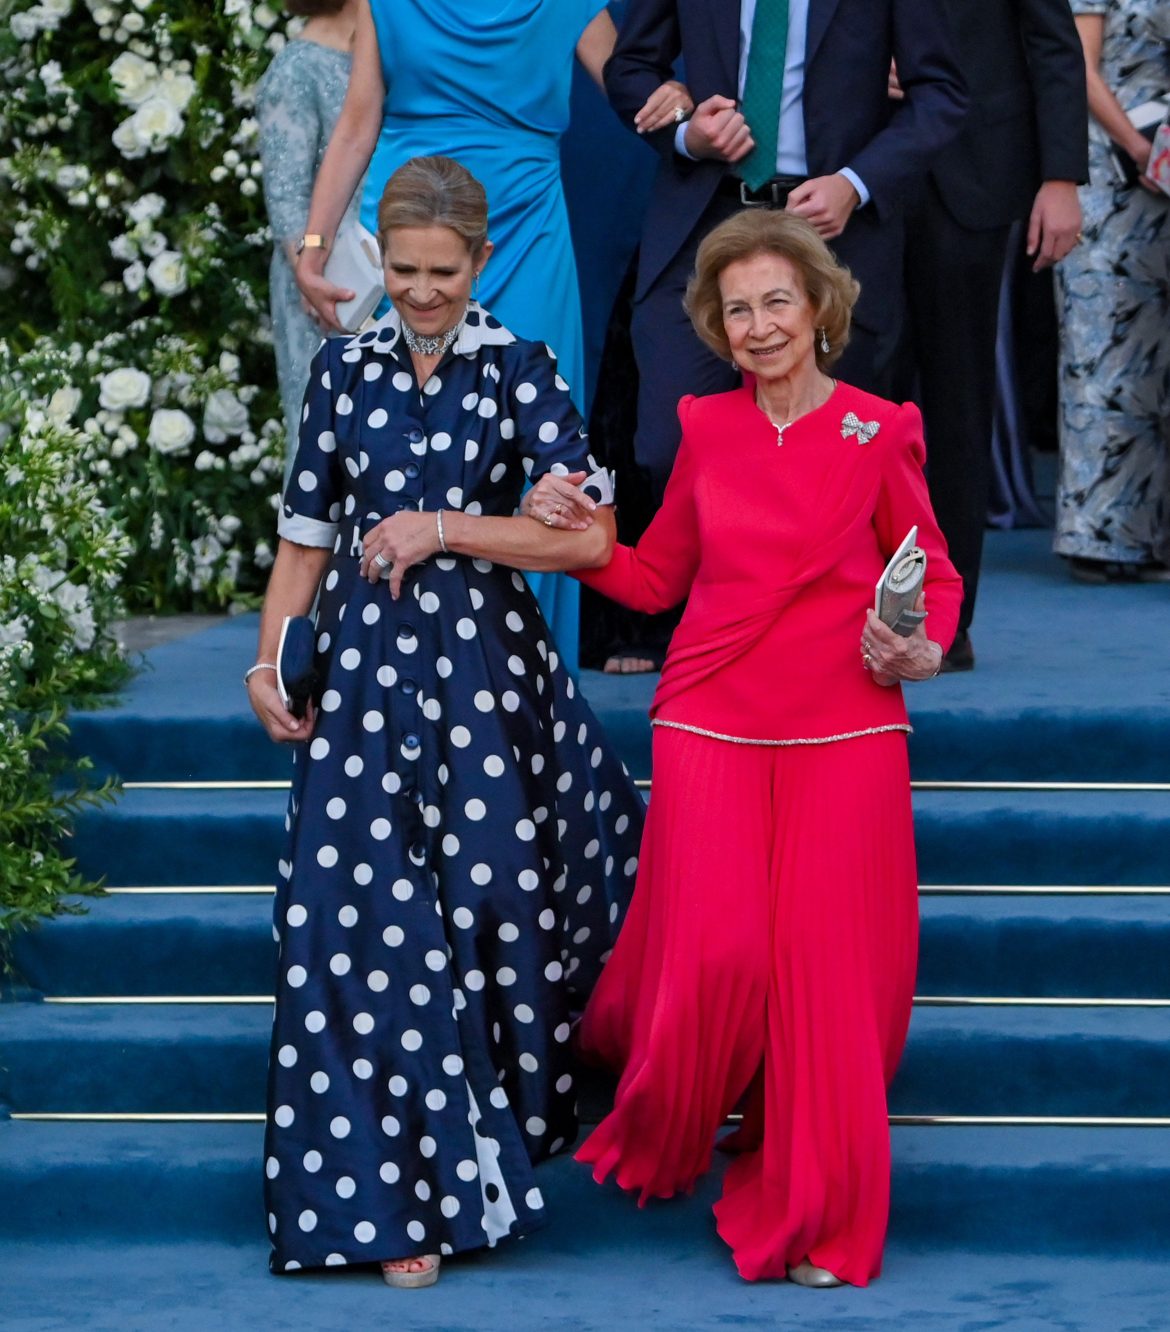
x=381 y=561
x=679 y=115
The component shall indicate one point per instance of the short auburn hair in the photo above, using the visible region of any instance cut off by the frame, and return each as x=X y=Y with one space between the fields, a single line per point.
x=435 y=192
x=829 y=286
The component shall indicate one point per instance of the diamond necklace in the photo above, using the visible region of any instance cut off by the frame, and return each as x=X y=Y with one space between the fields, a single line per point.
x=437 y=346
x=781 y=428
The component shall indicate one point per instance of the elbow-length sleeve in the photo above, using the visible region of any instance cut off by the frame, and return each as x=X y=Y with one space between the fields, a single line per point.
x=311 y=510
x=658 y=572
x=904 y=501
x=290 y=132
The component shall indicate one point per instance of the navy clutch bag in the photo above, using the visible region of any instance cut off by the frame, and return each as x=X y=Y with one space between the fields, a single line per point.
x=296 y=669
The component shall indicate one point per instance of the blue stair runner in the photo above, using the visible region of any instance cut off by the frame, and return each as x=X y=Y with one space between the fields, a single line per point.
x=1032 y=1110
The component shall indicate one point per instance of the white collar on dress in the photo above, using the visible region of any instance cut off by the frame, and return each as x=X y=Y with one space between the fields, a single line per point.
x=480 y=329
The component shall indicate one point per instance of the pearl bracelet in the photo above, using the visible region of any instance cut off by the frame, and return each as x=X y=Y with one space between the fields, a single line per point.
x=260 y=666
x=442 y=537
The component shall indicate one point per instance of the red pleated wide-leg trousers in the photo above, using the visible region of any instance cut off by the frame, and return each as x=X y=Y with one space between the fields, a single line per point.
x=770 y=949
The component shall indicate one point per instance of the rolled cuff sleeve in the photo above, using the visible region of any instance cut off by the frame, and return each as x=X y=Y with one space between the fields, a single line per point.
x=302 y=531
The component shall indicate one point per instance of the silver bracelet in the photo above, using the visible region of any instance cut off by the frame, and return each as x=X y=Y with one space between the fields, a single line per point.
x=260 y=666
x=442 y=538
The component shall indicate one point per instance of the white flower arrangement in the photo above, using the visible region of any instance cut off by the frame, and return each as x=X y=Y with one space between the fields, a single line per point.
x=144 y=269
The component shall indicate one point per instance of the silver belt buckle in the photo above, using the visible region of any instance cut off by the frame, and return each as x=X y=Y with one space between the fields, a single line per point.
x=774 y=188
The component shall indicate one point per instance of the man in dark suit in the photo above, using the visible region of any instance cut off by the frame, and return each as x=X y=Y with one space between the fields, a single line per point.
x=832 y=149
x=1020 y=154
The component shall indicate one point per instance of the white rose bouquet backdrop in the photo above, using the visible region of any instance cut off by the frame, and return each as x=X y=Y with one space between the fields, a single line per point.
x=133 y=263
x=141 y=437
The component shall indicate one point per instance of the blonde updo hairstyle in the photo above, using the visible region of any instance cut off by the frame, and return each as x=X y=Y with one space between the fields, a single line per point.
x=435 y=192
x=830 y=287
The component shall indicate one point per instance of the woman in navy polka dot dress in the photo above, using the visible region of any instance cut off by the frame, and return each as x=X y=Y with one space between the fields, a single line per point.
x=461 y=839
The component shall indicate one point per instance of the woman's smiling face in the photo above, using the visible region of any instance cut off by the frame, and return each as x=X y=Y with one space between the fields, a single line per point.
x=429 y=273
x=767 y=316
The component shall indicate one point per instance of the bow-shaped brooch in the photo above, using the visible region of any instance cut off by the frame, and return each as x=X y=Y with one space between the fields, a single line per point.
x=852 y=424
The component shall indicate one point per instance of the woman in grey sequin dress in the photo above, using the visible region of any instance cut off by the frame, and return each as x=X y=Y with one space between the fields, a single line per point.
x=1113 y=502
x=297 y=104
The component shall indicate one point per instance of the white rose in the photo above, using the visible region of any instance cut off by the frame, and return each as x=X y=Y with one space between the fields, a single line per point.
x=264 y=16
x=122 y=247
x=171 y=431
x=124 y=388
x=146 y=208
x=70 y=177
x=24 y=26
x=223 y=415
x=133 y=277
x=133 y=22
x=153 y=244
x=134 y=79
x=56 y=9
x=205 y=462
x=178 y=89
x=168 y=273
x=229 y=363
x=156 y=123
x=63 y=403
x=126 y=140
x=52 y=78
x=103 y=14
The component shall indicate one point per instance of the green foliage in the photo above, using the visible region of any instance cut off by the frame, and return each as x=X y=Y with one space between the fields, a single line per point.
x=136 y=300
x=63 y=562
x=141 y=436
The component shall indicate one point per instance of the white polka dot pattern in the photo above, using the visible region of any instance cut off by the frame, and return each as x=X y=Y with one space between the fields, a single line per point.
x=432 y=891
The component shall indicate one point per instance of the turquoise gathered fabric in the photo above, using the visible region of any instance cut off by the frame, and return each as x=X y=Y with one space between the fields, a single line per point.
x=487 y=82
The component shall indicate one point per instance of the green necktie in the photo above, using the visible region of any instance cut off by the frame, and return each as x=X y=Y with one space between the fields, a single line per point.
x=762 y=89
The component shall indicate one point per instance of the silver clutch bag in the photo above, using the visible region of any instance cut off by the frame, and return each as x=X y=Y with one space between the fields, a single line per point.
x=899 y=586
x=355 y=261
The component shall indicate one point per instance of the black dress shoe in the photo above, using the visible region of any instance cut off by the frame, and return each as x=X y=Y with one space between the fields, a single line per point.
x=961 y=656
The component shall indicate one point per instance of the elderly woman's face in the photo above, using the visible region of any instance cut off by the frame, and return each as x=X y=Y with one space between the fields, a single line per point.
x=767 y=316
x=429 y=272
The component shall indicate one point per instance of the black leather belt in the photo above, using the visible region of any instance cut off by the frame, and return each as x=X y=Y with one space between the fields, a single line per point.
x=771 y=194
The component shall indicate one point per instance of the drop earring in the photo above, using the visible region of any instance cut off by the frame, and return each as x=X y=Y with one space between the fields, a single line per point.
x=824 y=343
x=475 y=288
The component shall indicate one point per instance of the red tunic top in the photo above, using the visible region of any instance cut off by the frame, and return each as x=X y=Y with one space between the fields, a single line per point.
x=778 y=548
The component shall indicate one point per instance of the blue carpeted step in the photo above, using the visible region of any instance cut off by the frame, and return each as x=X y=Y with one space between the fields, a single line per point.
x=964 y=837
x=1027 y=1061
x=1032 y=1189
x=211 y=1058
x=1058 y=944
x=1051 y=945
x=167 y=943
x=665 y=1270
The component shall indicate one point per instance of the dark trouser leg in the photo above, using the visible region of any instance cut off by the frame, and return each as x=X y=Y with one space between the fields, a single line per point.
x=952 y=295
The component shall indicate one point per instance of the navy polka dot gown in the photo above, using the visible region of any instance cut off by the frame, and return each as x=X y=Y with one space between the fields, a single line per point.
x=461 y=840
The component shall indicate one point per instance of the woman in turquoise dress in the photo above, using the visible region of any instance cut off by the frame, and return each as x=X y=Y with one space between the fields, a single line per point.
x=297 y=104
x=486 y=84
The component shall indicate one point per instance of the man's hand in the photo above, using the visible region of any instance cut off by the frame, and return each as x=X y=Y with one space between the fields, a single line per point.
x=718 y=130
x=1054 y=227
x=826 y=202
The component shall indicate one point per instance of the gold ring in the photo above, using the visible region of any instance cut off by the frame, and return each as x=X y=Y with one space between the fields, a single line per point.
x=1080 y=236
x=548 y=519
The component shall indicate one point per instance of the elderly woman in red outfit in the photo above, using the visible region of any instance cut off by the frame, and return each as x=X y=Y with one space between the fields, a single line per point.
x=771 y=945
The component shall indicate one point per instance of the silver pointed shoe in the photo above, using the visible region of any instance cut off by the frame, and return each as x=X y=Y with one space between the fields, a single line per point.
x=814 y=1278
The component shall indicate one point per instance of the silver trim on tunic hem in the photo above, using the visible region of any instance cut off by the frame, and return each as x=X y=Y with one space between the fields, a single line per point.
x=781 y=744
